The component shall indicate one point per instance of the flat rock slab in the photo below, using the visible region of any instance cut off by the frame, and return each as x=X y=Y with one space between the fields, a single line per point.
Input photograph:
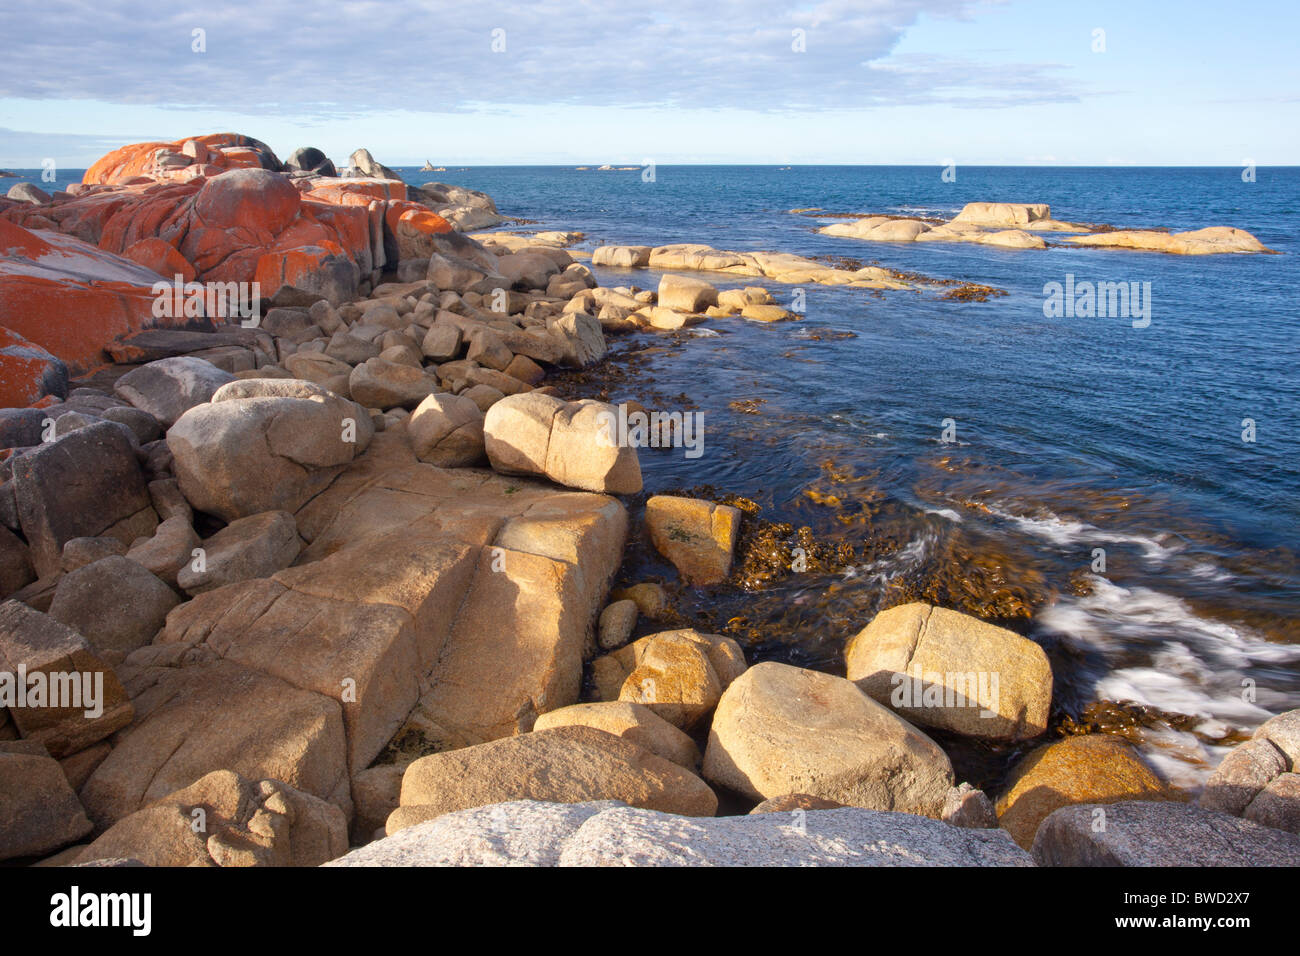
x=605 y=833
x=519 y=833
x=1142 y=833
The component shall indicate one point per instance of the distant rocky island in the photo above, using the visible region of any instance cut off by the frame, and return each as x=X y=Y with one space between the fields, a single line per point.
x=5 y=174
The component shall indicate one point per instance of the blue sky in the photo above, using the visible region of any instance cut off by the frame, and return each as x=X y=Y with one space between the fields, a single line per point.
x=678 y=81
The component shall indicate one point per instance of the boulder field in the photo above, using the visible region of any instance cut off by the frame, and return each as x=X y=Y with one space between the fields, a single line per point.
x=1016 y=226
x=340 y=578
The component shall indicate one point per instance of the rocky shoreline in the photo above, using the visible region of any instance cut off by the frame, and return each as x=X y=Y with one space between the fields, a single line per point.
x=340 y=567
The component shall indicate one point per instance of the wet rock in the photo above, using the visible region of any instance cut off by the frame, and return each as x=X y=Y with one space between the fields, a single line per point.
x=698 y=537
x=565 y=765
x=943 y=669
x=1141 y=833
x=781 y=729
x=1092 y=769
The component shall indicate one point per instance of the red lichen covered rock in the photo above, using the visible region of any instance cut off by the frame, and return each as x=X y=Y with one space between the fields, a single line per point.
x=161 y=257
x=217 y=152
x=28 y=372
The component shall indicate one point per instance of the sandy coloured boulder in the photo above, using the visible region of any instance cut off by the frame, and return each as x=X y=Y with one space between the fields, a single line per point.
x=633 y=722
x=616 y=624
x=942 y=669
x=169 y=550
x=686 y=293
x=95 y=704
x=571 y=443
x=264 y=445
x=252 y=547
x=380 y=383
x=447 y=430
x=244 y=823
x=217 y=715
x=680 y=675
x=564 y=765
x=114 y=603
x=780 y=729
x=621 y=257
x=38 y=810
x=697 y=536
x=1092 y=769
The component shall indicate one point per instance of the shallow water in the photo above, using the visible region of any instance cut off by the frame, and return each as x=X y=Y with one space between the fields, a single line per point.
x=1072 y=434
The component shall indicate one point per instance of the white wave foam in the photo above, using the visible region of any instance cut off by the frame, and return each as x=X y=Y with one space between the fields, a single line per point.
x=1065 y=532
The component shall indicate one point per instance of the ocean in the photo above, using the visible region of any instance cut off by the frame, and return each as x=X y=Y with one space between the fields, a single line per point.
x=1072 y=438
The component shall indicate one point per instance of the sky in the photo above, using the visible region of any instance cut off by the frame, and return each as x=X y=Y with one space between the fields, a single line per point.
x=971 y=82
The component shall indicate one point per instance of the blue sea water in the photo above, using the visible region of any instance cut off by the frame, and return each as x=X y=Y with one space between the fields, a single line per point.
x=1072 y=434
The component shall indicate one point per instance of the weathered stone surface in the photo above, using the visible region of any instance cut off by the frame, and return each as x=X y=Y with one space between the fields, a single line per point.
x=850 y=836
x=621 y=257
x=1142 y=833
x=168 y=551
x=266 y=823
x=80 y=552
x=673 y=676
x=376 y=792
x=380 y=383
x=1242 y=775
x=170 y=387
x=942 y=669
x=781 y=729
x=967 y=807
x=218 y=715
x=1283 y=732
x=678 y=674
x=114 y=603
x=265 y=445
x=572 y=443
x=686 y=293
x=39 y=644
x=633 y=722
x=519 y=833
x=38 y=810
x=252 y=547
x=447 y=430
x=15 y=562
x=1090 y=769
x=698 y=537
x=617 y=622
x=565 y=765
x=86 y=484
x=789 y=802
